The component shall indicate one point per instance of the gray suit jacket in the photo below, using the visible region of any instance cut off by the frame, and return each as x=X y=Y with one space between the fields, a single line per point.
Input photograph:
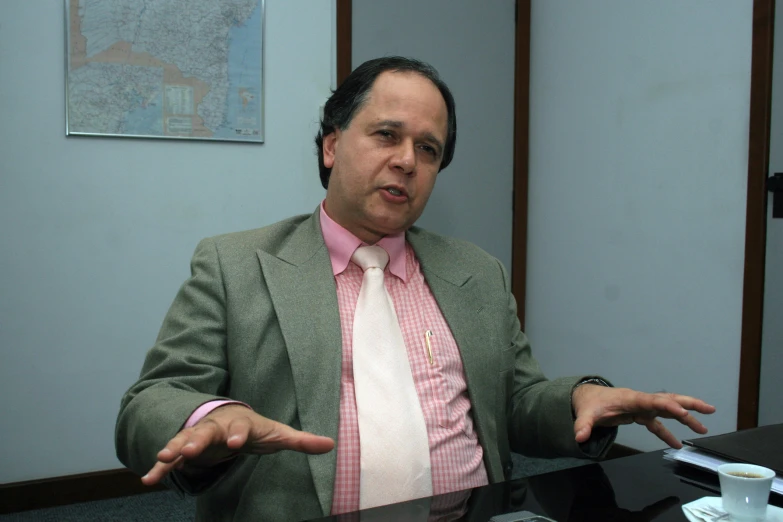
x=258 y=322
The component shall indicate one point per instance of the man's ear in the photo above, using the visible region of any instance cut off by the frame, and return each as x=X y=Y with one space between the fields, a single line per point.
x=329 y=147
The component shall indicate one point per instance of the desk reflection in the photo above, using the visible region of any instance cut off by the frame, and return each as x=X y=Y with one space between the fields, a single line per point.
x=588 y=496
x=581 y=494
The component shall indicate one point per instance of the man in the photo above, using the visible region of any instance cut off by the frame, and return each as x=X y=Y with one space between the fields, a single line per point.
x=263 y=347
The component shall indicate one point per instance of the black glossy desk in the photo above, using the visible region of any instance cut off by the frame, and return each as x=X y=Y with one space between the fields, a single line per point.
x=632 y=489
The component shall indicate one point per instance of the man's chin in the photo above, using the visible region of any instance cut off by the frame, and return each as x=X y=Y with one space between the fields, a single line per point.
x=389 y=225
x=393 y=229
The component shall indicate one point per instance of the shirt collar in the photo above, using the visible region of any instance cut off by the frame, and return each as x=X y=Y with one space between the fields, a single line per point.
x=342 y=244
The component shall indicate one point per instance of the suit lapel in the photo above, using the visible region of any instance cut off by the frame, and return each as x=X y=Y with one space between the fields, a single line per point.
x=302 y=288
x=453 y=288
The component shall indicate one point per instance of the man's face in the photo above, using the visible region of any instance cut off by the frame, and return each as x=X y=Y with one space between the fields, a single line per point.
x=385 y=163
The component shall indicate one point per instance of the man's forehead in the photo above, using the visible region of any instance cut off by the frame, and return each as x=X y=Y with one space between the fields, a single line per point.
x=404 y=90
x=390 y=82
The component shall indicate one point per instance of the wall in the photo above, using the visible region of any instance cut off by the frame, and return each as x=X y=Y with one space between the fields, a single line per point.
x=96 y=234
x=472 y=198
x=638 y=169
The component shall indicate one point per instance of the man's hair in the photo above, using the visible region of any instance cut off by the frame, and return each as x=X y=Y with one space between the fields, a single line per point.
x=350 y=97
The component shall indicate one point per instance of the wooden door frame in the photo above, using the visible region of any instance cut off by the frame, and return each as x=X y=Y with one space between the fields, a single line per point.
x=521 y=156
x=756 y=213
x=344 y=37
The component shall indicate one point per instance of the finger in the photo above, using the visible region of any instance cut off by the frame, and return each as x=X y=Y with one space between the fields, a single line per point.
x=655 y=427
x=693 y=423
x=201 y=437
x=670 y=408
x=654 y=404
x=621 y=419
x=680 y=404
x=173 y=448
x=159 y=471
x=692 y=403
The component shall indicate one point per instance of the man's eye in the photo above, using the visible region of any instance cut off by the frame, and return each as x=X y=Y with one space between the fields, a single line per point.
x=385 y=134
x=429 y=150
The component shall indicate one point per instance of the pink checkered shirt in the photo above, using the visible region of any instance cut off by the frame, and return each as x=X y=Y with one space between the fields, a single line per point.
x=455 y=454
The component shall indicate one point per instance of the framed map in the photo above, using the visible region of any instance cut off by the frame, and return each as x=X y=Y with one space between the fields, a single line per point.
x=182 y=69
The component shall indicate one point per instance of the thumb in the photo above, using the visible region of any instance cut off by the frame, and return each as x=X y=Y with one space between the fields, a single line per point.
x=293 y=439
x=310 y=443
x=583 y=427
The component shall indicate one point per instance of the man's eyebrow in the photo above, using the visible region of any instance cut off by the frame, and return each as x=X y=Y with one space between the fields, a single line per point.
x=388 y=123
x=396 y=124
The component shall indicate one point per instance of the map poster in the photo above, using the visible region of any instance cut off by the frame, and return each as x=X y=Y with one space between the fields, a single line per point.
x=182 y=69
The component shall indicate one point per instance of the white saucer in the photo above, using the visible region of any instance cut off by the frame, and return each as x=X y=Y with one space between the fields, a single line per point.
x=774 y=513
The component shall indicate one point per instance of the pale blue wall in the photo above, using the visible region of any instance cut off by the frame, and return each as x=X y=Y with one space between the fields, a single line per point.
x=96 y=234
x=638 y=173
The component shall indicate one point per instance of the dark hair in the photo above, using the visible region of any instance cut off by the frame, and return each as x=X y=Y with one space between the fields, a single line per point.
x=349 y=98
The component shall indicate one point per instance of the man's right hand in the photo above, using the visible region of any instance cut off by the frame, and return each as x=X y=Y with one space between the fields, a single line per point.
x=225 y=432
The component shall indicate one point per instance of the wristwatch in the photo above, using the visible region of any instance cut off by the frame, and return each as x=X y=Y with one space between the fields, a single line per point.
x=593 y=380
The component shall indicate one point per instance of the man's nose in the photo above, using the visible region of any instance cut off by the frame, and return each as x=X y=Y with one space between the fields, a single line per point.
x=404 y=158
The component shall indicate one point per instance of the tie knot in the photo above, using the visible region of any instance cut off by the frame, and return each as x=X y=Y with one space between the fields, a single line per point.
x=370 y=257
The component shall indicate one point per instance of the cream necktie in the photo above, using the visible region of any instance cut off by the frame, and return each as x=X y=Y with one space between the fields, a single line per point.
x=395 y=454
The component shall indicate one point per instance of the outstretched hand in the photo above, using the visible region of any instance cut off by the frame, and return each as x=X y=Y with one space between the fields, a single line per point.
x=226 y=432
x=596 y=405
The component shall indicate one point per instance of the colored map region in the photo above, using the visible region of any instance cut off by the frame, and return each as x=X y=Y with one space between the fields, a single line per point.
x=165 y=68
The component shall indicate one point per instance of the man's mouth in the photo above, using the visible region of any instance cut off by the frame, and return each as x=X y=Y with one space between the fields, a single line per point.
x=394 y=191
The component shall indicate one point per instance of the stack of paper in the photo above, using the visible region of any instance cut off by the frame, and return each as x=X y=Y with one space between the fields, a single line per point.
x=701 y=459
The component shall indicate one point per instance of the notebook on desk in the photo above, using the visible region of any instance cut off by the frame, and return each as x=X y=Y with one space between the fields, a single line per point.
x=761 y=446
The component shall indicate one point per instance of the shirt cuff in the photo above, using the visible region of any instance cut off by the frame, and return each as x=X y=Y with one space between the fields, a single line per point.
x=203 y=410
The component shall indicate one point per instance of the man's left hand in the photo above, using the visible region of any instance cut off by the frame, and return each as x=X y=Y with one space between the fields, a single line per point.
x=596 y=405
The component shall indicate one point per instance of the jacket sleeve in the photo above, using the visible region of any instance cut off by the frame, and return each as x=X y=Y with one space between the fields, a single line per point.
x=540 y=417
x=185 y=368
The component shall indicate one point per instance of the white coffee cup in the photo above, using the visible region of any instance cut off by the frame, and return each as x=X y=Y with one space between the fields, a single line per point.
x=744 y=489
